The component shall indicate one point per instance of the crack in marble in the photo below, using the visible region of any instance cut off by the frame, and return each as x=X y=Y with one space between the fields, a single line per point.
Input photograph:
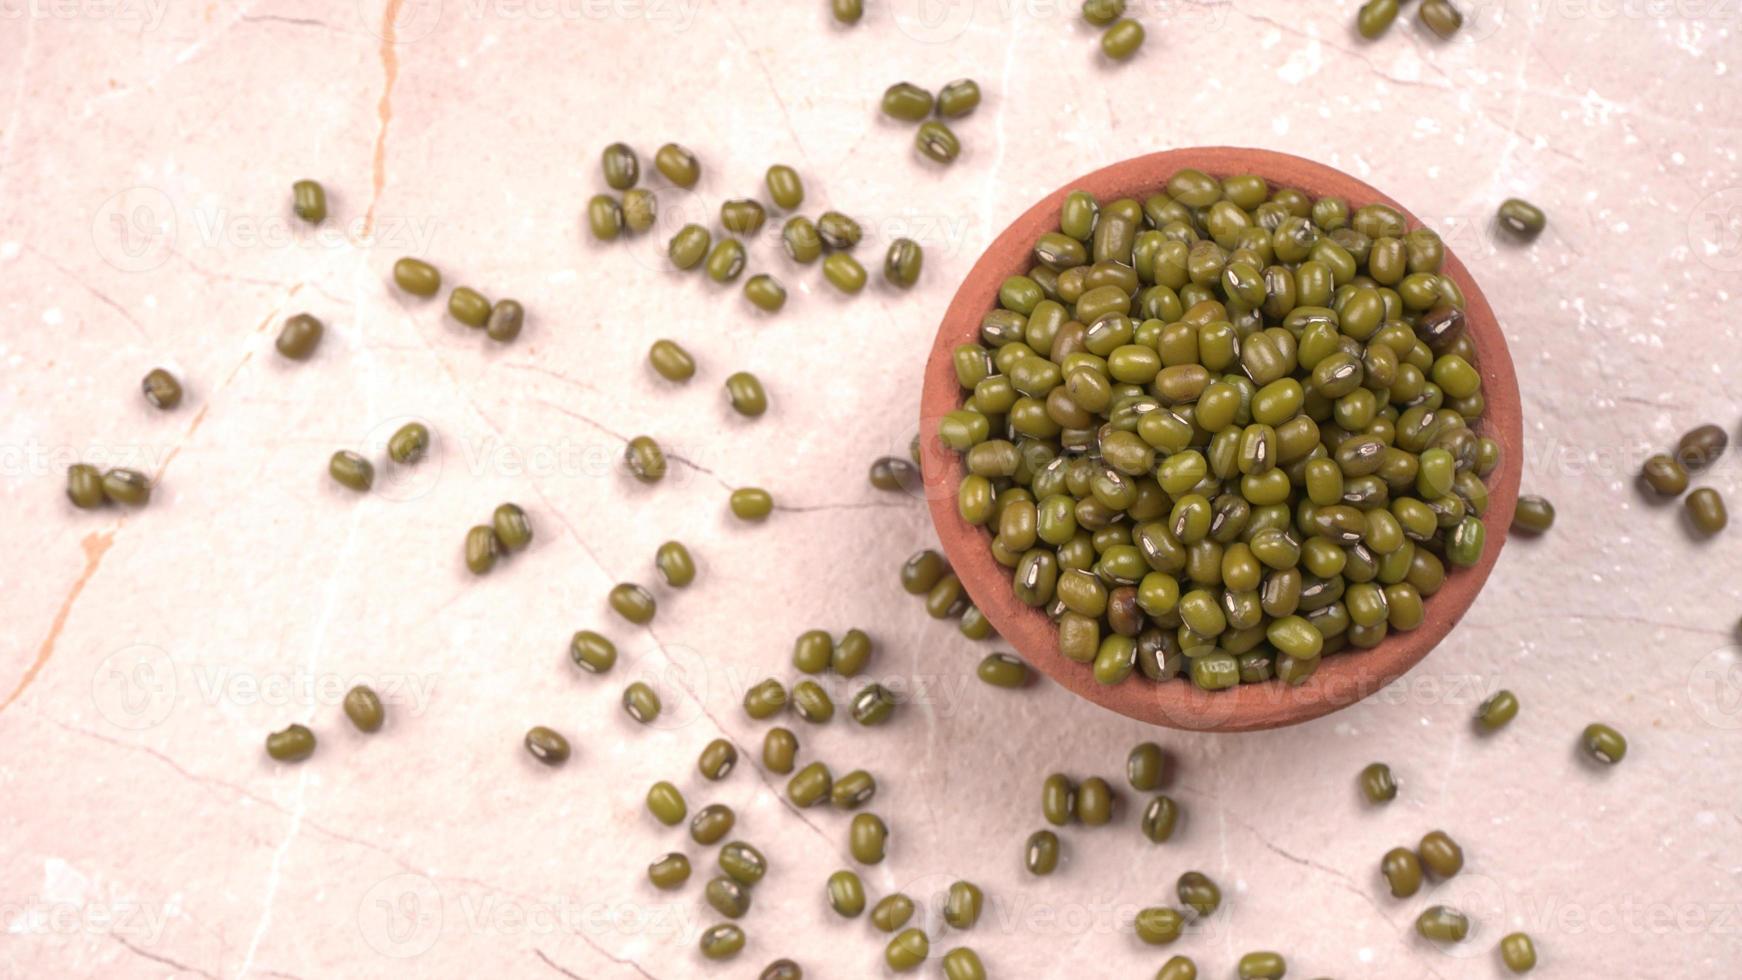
x=565 y=971
x=293 y=21
x=1356 y=53
x=96 y=545
x=27 y=49
x=96 y=293
x=136 y=950
x=384 y=108
x=767 y=77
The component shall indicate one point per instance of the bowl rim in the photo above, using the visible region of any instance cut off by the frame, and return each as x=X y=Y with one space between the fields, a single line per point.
x=1342 y=679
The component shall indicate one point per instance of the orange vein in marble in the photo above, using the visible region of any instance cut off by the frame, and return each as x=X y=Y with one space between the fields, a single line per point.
x=96 y=545
x=384 y=108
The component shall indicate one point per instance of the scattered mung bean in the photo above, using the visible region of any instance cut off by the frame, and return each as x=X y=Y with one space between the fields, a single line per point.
x=1440 y=854
x=722 y=942
x=679 y=165
x=506 y=319
x=1402 y=871
x=671 y=361
x=1664 y=475
x=309 y=200
x=1122 y=39
x=765 y=292
x=482 y=549
x=417 y=277
x=125 y=486
x=712 y=823
x=868 y=838
x=469 y=306
x=349 y=469
x=785 y=187
x=727 y=896
x=907 y=950
x=907 y=102
x=634 y=603
x=363 y=707
x=743 y=863
x=751 y=504
x=958 y=98
x=1518 y=952
x=85 y=486
x=936 y=141
x=161 y=389
x=744 y=391
x=717 y=759
x=409 y=444
x=666 y=803
x=294 y=744
x=1706 y=511
x=892 y=912
x=1604 y=744
x=645 y=459
x=1377 y=784
x=675 y=565
x=846 y=894
x=1442 y=924
x=669 y=872
x=299 y=337
x=1003 y=670
x=513 y=528
x=1521 y=217
x=962 y=907
x=547 y=745
x=621 y=166
x=1497 y=710
x=591 y=652
x=779 y=750
x=1041 y=854
x=903 y=261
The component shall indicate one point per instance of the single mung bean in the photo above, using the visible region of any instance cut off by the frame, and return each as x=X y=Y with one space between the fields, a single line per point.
x=742 y=217
x=1402 y=871
x=717 y=759
x=604 y=217
x=417 y=277
x=299 y=337
x=853 y=790
x=743 y=863
x=786 y=969
x=85 y=486
x=751 y=503
x=844 y=272
x=669 y=872
x=308 y=199
x=633 y=602
x=811 y=703
x=1521 y=217
x=161 y=389
x=846 y=894
x=469 y=306
x=847 y=11
x=1534 y=514
x=958 y=98
x=963 y=963
x=1377 y=783
x=666 y=803
x=851 y=654
x=482 y=549
x=1145 y=767
x=1041 y=854
x=1440 y=17
x=765 y=292
x=712 y=823
x=351 y=470
x=640 y=209
x=1604 y=743
x=645 y=459
x=907 y=102
x=675 y=565
x=903 y=261
x=868 y=838
x=907 y=950
x=1499 y=708
x=1058 y=799
x=726 y=261
x=1706 y=511
x=1701 y=447
x=1178 y=968
x=1159 y=818
x=838 y=231
x=1122 y=40
x=1197 y=892
x=506 y=319
x=679 y=165
x=892 y=912
x=1003 y=670
x=962 y=907
x=294 y=744
x=800 y=239
x=125 y=486
x=513 y=528
x=1442 y=924
x=1262 y=966
x=938 y=142
x=363 y=707
x=1159 y=926
x=722 y=942
x=785 y=187
x=689 y=246
x=1518 y=952
x=591 y=652
x=1094 y=802
x=621 y=166
x=727 y=896
x=1440 y=854
x=409 y=444
x=893 y=473
x=765 y=700
x=1375 y=17
x=1103 y=12
x=873 y=705
x=744 y=391
x=810 y=785
x=671 y=361
x=779 y=749
x=547 y=745
x=1664 y=475
x=641 y=703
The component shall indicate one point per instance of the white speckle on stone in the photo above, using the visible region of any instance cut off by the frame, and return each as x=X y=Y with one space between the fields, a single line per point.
x=52 y=316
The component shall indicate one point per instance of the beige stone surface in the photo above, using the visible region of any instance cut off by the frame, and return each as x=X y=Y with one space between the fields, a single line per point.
x=145 y=160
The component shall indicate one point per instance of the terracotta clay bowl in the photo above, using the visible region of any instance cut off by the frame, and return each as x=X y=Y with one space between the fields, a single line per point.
x=1343 y=678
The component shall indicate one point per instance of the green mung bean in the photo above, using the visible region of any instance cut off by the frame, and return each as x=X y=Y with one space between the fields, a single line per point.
x=161 y=389
x=299 y=337
x=1402 y=870
x=591 y=652
x=85 y=486
x=1159 y=819
x=936 y=141
x=506 y=319
x=1700 y=447
x=1101 y=13
x=641 y=703
x=1706 y=511
x=873 y=705
x=1197 y=892
x=838 y=231
x=1094 y=802
x=1604 y=744
x=1041 y=854
x=907 y=102
x=1440 y=17
x=1440 y=854
x=1375 y=17
x=1178 y=968
x=786 y=969
x=717 y=759
x=853 y=790
x=727 y=896
x=689 y=247
x=679 y=165
x=1442 y=924
x=309 y=200
x=1534 y=515
x=846 y=894
x=547 y=746
x=633 y=602
x=1058 y=799
x=726 y=261
x=363 y=706
x=893 y=473
x=744 y=390
x=1521 y=217
x=675 y=565
x=963 y=963
x=844 y=272
x=645 y=459
x=812 y=650
x=604 y=217
x=907 y=950
x=1377 y=783
x=800 y=239
x=640 y=208
x=765 y=700
x=409 y=444
x=892 y=912
x=958 y=98
x=1145 y=767
x=482 y=549
x=417 y=277
x=1159 y=926
x=669 y=872
x=962 y=907
x=1262 y=966
x=671 y=361
x=666 y=803
x=847 y=11
x=903 y=261
x=751 y=503
x=1122 y=39
x=779 y=749
x=621 y=166
x=1664 y=475
x=1003 y=670
x=765 y=292
x=1497 y=710
x=811 y=703
x=785 y=187
x=351 y=470
x=810 y=785
x=293 y=744
x=742 y=217
x=712 y=823
x=851 y=654
x=868 y=838
x=722 y=942
x=1518 y=952
x=469 y=306
x=513 y=528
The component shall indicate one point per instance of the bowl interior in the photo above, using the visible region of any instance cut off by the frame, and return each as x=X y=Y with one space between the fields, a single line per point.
x=1343 y=678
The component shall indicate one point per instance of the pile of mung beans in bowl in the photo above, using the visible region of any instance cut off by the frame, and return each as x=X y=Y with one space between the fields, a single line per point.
x=1221 y=439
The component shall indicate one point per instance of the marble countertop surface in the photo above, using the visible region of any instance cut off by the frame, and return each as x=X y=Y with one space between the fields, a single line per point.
x=146 y=153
